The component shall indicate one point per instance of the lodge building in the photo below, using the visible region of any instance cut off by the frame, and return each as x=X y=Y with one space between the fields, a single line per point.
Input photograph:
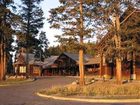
x=67 y=64
x=130 y=62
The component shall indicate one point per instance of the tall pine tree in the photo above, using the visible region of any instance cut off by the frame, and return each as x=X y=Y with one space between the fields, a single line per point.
x=41 y=50
x=32 y=16
x=7 y=21
x=112 y=11
x=75 y=19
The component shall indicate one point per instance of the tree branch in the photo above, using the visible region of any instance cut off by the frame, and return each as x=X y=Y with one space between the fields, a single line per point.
x=127 y=17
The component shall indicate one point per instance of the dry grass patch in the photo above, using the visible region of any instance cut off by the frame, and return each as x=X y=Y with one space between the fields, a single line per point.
x=14 y=81
x=131 y=90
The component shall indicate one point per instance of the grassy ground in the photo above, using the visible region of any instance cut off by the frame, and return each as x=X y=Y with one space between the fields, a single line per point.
x=99 y=89
x=14 y=81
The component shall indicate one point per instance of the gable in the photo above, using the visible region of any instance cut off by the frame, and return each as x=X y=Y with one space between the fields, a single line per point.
x=20 y=59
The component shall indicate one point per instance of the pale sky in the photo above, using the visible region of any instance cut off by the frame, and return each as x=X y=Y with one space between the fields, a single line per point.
x=46 y=5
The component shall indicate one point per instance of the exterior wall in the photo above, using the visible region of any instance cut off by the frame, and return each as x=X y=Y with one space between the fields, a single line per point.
x=47 y=72
x=91 y=70
x=138 y=73
x=35 y=70
x=20 y=69
x=66 y=66
x=125 y=72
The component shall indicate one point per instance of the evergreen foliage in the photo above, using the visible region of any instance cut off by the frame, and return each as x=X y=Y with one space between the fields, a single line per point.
x=67 y=18
x=32 y=16
x=41 y=50
x=121 y=8
x=29 y=35
x=8 y=20
x=130 y=31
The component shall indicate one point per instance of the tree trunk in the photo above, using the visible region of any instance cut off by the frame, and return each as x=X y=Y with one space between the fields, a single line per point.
x=1 y=62
x=106 y=71
x=81 y=67
x=133 y=75
x=81 y=53
x=118 y=46
x=118 y=71
x=27 y=39
x=4 y=63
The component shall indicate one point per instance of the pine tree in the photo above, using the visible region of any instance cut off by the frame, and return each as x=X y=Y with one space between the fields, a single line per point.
x=7 y=22
x=54 y=50
x=130 y=36
x=111 y=13
x=41 y=50
x=74 y=18
x=32 y=16
x=64 y=42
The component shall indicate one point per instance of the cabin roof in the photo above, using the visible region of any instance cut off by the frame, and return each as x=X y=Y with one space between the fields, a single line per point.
x=23 y=55
x=22 y=59
x=75 y=57
x=94 y=60
x=49 y=61
x=88 y=59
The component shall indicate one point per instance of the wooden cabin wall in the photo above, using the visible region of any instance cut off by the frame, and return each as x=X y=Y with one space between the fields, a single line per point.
x=125 y=72
x=66 y=66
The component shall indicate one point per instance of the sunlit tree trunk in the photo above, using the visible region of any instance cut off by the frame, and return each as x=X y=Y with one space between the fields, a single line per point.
x=118 y=46
x=81 y=53
x=106 y=71
x=4 y=63
x=1 y=62
x=134 y=65
x=81 y=67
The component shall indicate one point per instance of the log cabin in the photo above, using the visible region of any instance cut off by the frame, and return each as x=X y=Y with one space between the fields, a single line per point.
x=68 y=64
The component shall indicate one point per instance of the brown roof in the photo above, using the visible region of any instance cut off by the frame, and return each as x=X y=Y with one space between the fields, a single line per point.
x=88 y=59
x=94 y=60
x=35 y=62
x=20 y=59
x=49 y=61
x=75 y=57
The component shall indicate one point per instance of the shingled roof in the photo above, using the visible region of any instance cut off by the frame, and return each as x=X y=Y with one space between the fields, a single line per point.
x=75 y=57
x=49 y=61
x=21 y=58
x=88 y=59
x=94 y=60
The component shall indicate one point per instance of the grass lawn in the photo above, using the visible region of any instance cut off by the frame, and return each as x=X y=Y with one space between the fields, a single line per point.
x=99 y=89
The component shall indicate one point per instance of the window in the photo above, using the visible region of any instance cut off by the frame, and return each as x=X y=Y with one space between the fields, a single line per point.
x=22 y=69
x=36 y=70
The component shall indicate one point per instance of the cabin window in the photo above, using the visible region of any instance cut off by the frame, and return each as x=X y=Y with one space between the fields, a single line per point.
x=22 y=69
x=36 y=70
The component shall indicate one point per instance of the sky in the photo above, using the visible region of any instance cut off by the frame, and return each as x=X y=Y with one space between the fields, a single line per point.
x=46 y=5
